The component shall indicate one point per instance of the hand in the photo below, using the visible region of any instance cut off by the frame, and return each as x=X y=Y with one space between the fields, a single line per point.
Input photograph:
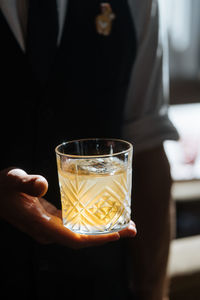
x=22 y=205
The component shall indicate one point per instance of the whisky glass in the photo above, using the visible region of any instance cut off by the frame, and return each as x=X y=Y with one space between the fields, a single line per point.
x=95 y=179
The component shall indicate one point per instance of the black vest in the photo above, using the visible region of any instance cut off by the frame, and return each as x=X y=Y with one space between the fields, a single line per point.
x=84 y=97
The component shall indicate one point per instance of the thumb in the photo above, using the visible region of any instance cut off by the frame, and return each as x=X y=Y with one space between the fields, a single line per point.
x=33 y=185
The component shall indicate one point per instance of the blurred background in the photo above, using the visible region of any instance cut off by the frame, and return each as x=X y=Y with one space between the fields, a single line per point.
x=182 y=18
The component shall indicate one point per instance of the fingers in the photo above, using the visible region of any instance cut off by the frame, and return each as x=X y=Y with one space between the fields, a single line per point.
x=96 y=240
x=59 y=234
x=55 y=232
x=130 y=231
x=33 y=185
x=78 y=241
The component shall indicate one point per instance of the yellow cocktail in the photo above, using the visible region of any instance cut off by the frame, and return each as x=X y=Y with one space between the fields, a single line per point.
x=95 y=192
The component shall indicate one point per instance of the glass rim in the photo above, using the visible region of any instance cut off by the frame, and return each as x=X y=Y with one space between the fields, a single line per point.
x=77 y=156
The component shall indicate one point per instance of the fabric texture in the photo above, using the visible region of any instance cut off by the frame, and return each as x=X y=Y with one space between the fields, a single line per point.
x=42 y=34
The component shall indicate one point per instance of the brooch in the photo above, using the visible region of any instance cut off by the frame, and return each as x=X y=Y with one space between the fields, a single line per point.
x=105 y=19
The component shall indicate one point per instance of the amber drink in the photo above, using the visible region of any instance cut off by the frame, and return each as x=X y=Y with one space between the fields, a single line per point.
x=95 y=179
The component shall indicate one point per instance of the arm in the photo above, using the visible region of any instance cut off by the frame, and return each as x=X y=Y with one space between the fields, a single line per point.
x=146 y=122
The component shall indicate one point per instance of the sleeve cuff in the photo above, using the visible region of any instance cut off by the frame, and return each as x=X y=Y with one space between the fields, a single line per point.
x=149 y=132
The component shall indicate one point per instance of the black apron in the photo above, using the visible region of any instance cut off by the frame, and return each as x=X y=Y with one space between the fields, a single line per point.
x=83 y=97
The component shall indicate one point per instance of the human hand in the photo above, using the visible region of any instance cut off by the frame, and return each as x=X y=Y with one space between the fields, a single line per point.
x=22 y=205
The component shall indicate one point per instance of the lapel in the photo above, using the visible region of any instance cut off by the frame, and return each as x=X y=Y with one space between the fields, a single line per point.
x=14 y=25
x=9 y=14
x=8 y=33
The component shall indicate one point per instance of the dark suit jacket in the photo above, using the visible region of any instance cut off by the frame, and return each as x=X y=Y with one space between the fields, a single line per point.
x=83 y=97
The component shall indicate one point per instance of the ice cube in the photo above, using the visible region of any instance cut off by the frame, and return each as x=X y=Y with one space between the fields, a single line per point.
x=107 y=165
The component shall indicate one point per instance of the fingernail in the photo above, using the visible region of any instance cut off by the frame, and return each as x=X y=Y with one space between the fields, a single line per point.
x=39 y=180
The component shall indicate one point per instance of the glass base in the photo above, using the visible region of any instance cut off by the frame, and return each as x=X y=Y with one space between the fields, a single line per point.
x=97 y=232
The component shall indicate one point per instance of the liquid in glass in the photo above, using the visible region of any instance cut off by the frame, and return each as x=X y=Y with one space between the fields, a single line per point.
x=95 y=194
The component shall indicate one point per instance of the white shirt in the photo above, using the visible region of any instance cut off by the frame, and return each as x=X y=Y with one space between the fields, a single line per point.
x=146 y=122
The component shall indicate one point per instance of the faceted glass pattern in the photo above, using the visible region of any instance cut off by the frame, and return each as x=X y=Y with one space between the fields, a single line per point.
x=95 y=193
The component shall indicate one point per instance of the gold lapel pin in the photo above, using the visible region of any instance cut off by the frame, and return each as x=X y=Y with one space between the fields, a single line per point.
x=104 y=19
